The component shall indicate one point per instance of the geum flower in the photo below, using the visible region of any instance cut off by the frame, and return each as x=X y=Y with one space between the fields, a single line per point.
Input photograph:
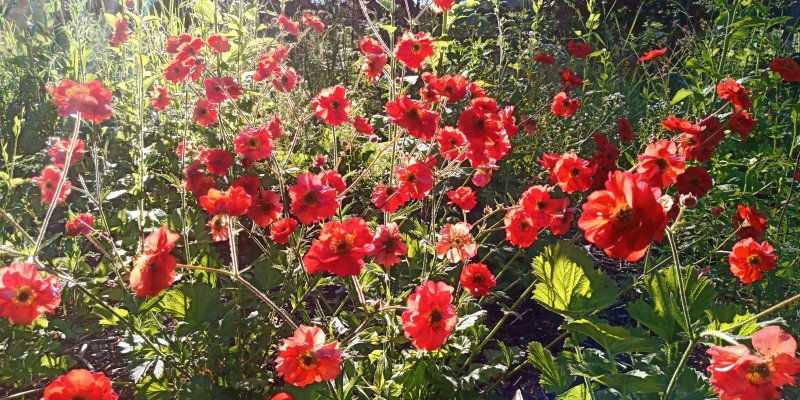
x=305 y=358
x=331 y=105
x=388 y=245
x=154 y=269
x=91 y=100
x=80 y=384
x=312 y=200
x=455 y=242
x=340 y=248
x=430 y=315
x=25 y=295
x=413 y=116
x=233 y=202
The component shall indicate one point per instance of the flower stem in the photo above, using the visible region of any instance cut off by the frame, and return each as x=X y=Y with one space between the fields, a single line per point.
x=673 y=382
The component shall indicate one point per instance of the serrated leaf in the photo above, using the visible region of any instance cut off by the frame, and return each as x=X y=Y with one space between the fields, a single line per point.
x=615 y=339
x=638 y=382
x=553 y=377
x=576 y=393
x=660 y=323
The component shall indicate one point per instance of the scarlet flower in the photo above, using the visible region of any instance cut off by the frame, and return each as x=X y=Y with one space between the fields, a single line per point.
x=92 y=100
x=80 y=225
x=217 y=161
x=313 y=22
x=735 y=93
x=340 y=248
x=787 y=68
x=442 y=5
x=218 y=90
x=412 y=50
x=571 y=173
x=463 y=197
x=59 y=148
x=564 y=106
x=414 y=116
x=653 y=54
x=305 y=358
x=312 y=201
x=538 y=204
x=456 y=242
x=749 y=259
x=415 y=178
x=625 y=130
x=509 y=121
x=288 y=25
x=218 y=228
x=389 y=198
x=331 y=105
x=176 y=71
x=80 y=384
x=185 y=44
x=120 y=34
x=388 y=245
x=562 y=220
x=544 y=58
x=266 y=208
x=154 y=269
x=281 y=229
x=160 y=99
x=25 y=295
x=579 y=49
x=282 y=396
x=521 y=229
x=451 y=143
x=254 y=144
x=195 y=181
x=363 y=126
x=373 y=67
x=480 y=122
x=233 y=202
x=285 y=79
x=749 y=223
x=695 y=180
x=477 y=279
x=624 y=218
x=205 y=112
x=48 y=183
x=369 y=45
x=604 y=160
x=250 y=184
x=483 y=174
x=269 y=62
x=660 y=164
x=674 y=124
x=219 y=43
x=739 y=374
x=701 y=147
x=430 y=315
x=742 y=123
x=333 y=179
x=569 y=78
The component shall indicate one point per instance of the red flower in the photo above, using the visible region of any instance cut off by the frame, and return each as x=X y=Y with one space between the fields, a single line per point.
x=786 y=68
x=58 y=152
x=604 y=160
x=331 y=105
x=562 y=220
x=80 y=384
x=373 y=67
x=363 y=126
x=625 y=130
x=624 y=218
x=288 y=25
x=414 y=116
x=285 y=79
x=266 y=208
x=430 y=315
x=579 y=49
x=483 y=174
x=250 y=184
x=569 y=78
x=305 y=358
x=735 y=93
x=195 y=181
x=749 y=223
x=269 y=62
x=25 y=295
x=480 y=122
x=463 y=197
x=313 y=22
x=80 y=225
x=333 y=179
x=161 y=99
x=92 y=100
x=653 y=54
x=738 y=374
x=388 y=245
x=219 y=43
x=412 y=50
x=538 y=204
x=443 y=5
x=509 y=121
x=660 y=164
x=218 y=91
x=368 y=45
x=185 y=44
x=281 y=229
x=312 y=201
x=742 y=123
x=674 y=124
x=176 y=71
x=205 y=112
x=456 y=242
x=48 y=183
x=254 y=144
x=749 y=260
x=233 y=202
x=564 y=106
x=695 y=180
x=217 y=161
x=571 y=173
x=120 y=34
x=340 y=248
x=282 y=396
x=415 y=178
x=544 y=58
x=218 y=228
x=477 y=279
x=451 y=143
x=521 y=229
x=389 y=198
x=701 y=147
x=154 y=269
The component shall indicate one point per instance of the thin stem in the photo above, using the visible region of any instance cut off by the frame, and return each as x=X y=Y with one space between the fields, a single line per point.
x=673 y=382
x=284 y=315
x=359 y=292
x=770 y=310
x=681 y=288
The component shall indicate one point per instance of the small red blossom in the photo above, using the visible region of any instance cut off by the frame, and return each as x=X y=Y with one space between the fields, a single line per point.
x=60 y=147
x=304 y=358
x=250 y=184
x=25 y=295
x=521 y=229
x=749 y=223
x=430 y=315
x=331 y=105
x=625 y=130
x=219 y=43
x=254 y=144
x=285 y=79
x=415 y=178
x=443 y=5
x=570 y=79
x=161 y=99
x=675 y=124
x=369 y=45
x=661 y=164
x=579 y=49
x=451 y=142
x=340 y=248
x=233 y=202
x=218 y=228
x=91 y=100
x=120 y=34
x=695 y=180
x=463 y=197
x=388 y=245
x=564 y=106
x=544 y=58
x=477 y=279
x=653 y=55
x=266 y=208
x=735 y=93
x=455 y=242
x=750 y=259
x=389 y=198
x=205 y=112
x=217 y=161
x=742 y=123
x=219 y=90
x=312 y=200
x=154 y=269
x=48 y=184
x=269 y=62
x=787 y=68
x=281 y=229
x=80 y=384
x=372 y=68
x=288 y=26
x=80 y=225
x=282 y=396
x=313 y=22
x=414 y=116
x=570 y=172
x=413 y=49
x=361 y=125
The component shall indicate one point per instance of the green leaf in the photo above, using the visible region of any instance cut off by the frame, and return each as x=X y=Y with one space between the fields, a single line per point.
x=568 y=283
x=638 y=382
x=658 y=322
x=576 y=393
x=614 y=339
x=680 y=95
x=553 y=377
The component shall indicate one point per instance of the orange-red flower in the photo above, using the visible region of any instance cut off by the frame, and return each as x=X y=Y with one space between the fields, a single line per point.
x=25 y=295
x=304 y=358
x=653 y=54
x=58 y=152
x=218 y=90
x=544 y=58
x=695 y=180
x=80 y=384
x=281 y=229
x=739 y=374
x=570 y=79
x=571 y=173
x=624 y=218
x=161 y=99
x=331 y=105
x=312 y=200
x=749 y=223
x=219 y=43
x=660 y=164
x=313 y=22
x=48 y=184
x=786 y=68
x=625 y=130
x=285 y=79
x=282 y=396
x=389 y=198
x=414 y=116
x=80 y=225
x=675 y=124
x=451 y=143
x=735 y=93
x=266 y=208
x=340 y=248
x=267 y=63
x=412 y=50
x=415 y=178
x=477 y=279
x=442 y=5
x=373 y=67
x=368 y=45
x=742 y=123
x=233 y=202
x=463 y=197
x=749 y=260
x=205 y=112
x=430 y=315
x=154 y=269
x=579 y=49
x=254 y=144
x=521 y=229
x=564 y=106
x=361 y=125
x=388 y=245
x=455 y=242
x=217 y=161
x=218 y=228
x=539 y=205
x=120 y=34
x=92 y=100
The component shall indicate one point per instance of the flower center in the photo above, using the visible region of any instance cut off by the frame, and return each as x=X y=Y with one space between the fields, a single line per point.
x=341 y=245
x=456 y=242
x=25 y=295
x=334 y=105
x=308 y=360
x=758 y=374
x=753 y=260
x=310 y=197
x=624 y=217
x=253 y=143
x=662 y=163
x=574 y=172
x=435 y=316
x=415 y=47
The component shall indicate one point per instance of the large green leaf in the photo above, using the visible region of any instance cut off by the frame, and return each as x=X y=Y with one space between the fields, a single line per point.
x=569 y=285
x=576 y=393
x=654 y=319
x=633 y=382
x=663 y=290
x=553 y=377
x=614 y=339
